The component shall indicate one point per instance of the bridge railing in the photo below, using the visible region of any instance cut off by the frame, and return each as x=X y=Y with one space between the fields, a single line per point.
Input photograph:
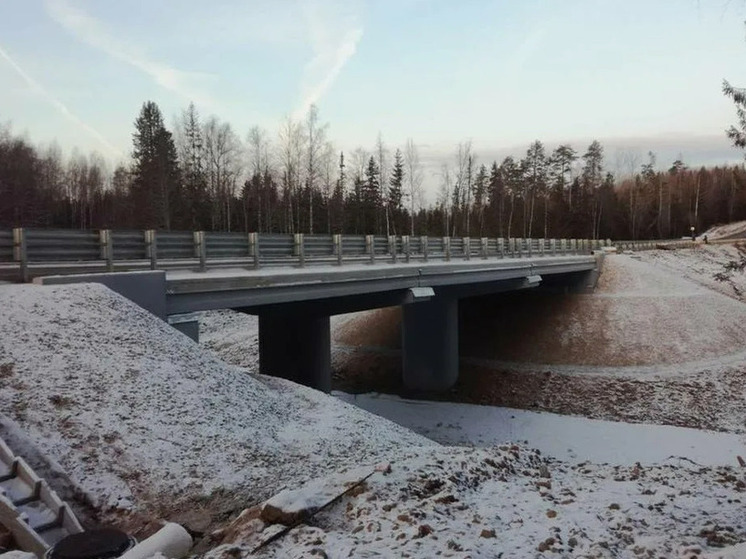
x=25 y=253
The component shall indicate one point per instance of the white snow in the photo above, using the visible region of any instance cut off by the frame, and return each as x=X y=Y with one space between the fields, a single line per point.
x=737 y=229
x=510 y=501
x=568 y=438
x=138 y=415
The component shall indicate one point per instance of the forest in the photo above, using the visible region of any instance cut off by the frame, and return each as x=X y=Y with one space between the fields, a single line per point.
x=202 y=175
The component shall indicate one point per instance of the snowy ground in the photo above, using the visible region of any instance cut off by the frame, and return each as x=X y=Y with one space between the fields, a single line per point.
x=735 y=230
x=509 y=501
x=140 y=418
x=563 y=437
x=682 y=500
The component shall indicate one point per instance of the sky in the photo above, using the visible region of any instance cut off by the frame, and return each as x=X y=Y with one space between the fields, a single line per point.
x=638 y=75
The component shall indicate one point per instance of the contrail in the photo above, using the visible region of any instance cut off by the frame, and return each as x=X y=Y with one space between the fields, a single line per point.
x=89 y=30
x=57 y=104
x=334 y=37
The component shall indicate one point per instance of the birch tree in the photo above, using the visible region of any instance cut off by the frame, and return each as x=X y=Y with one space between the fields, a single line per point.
x=413 y=178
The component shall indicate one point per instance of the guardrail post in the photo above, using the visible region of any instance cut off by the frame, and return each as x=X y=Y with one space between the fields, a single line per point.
x=370 y=248
x=519 y=243
x=423 y=242
x=151 y=248
x=200 y=250
x=20 y=252
x=501 y=247
x=467 y=248
x=299 y=249
x=485 y=247
x=107 y=252
x=392 y=247
x=406 y=247
x=337 y=242
x=254 y=248
x=530 y=246
x=553 y=246
x=542 y=246
x=447 y=247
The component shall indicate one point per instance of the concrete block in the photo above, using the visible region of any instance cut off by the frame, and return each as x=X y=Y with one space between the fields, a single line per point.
x=186 y=324
x=146 y=289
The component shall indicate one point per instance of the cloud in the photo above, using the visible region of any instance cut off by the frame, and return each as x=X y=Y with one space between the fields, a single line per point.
x=91 y=31
x=59 y=105
x=334 y=32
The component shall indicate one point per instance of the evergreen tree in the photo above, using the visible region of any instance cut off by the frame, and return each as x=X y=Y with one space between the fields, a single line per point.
x=338 y=197
x=396 y=192
x=592 y=177
x=481 y=184
x=496 y=194
x=536 y=179
x=156 y=186
x=192 y=162
x=738 y=94
x=371 y=196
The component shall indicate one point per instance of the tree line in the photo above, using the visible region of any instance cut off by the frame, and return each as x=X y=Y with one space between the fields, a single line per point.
x=204 y=176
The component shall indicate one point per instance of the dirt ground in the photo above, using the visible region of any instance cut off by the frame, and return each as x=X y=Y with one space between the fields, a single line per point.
x=667 y=349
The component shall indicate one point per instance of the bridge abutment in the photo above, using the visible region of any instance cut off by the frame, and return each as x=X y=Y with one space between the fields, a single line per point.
x=296 y=347
x=430 y=344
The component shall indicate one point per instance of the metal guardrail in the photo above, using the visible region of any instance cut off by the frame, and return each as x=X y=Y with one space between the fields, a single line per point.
x=25 y=253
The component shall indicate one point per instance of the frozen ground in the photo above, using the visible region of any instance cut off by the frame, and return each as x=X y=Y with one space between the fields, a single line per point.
x=510 y=501
x=735 y=230
x=562 y=437
x=142 y=418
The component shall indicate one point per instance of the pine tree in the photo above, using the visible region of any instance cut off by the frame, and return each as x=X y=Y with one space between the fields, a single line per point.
x=192 y=160
x=371 y=196
x=480 y=196
x=592 y=177
x=496 y=193
x=156 y=173
x=738 y=94
x=536 y=167
x=396 y=191
x=338 y=197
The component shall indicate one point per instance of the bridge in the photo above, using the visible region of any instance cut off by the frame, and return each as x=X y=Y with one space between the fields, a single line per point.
x=294 y=283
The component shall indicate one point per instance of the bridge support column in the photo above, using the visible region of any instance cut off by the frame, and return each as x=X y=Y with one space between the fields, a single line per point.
x=430 y=344
x=297 y=348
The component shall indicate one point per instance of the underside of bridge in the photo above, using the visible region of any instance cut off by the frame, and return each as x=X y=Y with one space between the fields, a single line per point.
x=295 y=342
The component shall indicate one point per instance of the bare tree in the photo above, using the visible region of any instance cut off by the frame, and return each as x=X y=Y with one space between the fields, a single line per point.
x=462 y=186
x=328 y=168
x=290 y=151
x=315 y=144
x=413 y=178
x=446 y=196
x=223 y=160
x=259 y=150
x=383 y=169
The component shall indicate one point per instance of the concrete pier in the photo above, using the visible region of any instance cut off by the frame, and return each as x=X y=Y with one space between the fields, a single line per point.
x=430 y=344
x=296 y=347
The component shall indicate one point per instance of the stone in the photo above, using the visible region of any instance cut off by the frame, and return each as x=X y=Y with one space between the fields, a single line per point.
x=424 y=530
x=487 y=533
